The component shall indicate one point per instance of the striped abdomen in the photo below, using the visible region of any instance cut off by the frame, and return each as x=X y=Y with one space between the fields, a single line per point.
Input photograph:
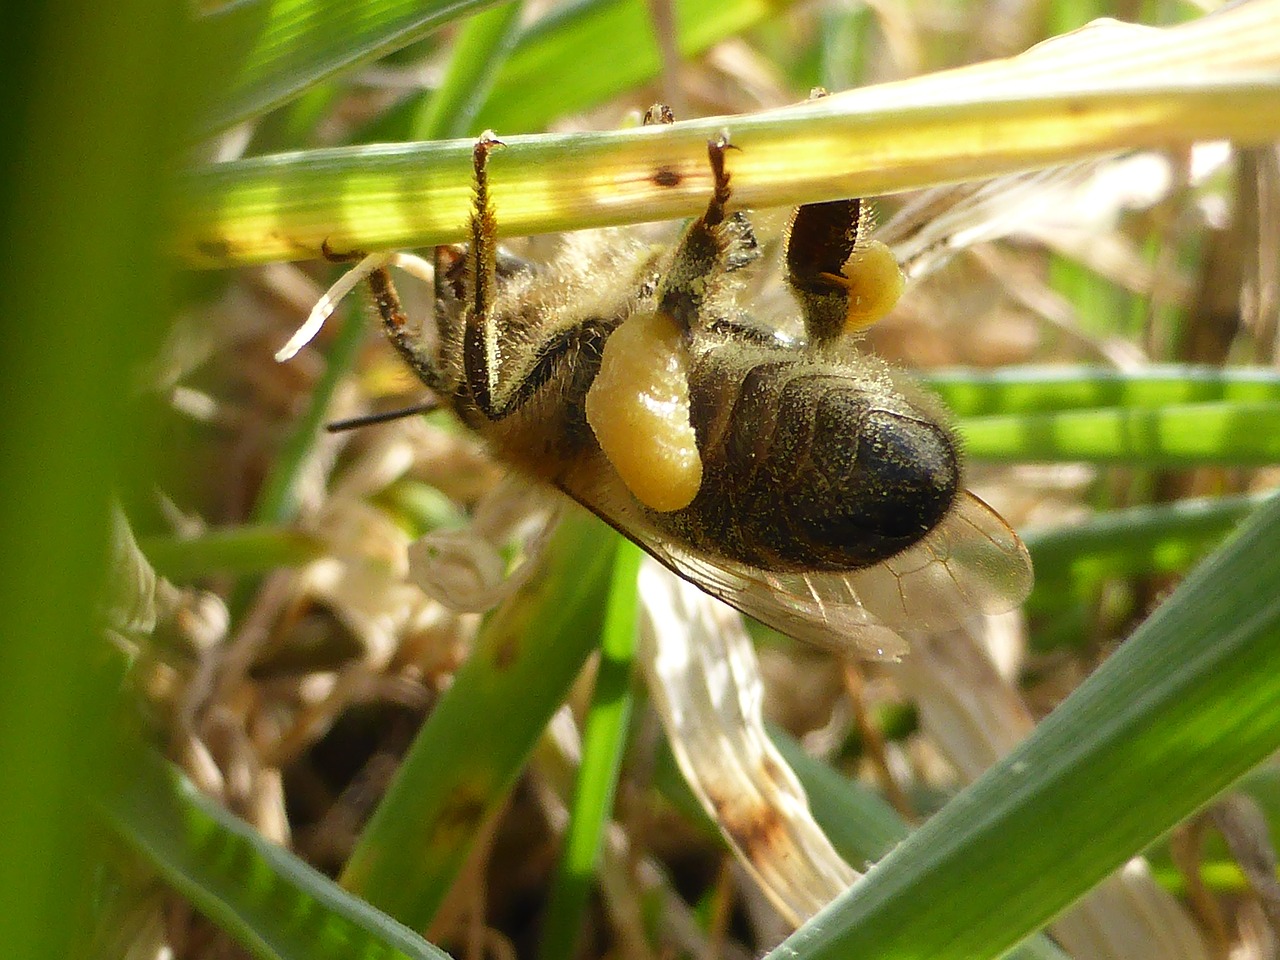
x=810 y=466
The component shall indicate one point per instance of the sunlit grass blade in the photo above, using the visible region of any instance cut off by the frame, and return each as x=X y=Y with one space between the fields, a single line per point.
x=274 y=904
x=1187 y=705
x=267 y=51
x=471 y=749
x=1177 y=435
x=1138 y=541
x=864 y=828
x=1007 y=115
x=974 y=393
x=604 y=737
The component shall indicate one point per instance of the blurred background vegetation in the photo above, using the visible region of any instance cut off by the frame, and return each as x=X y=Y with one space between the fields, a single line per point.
x=1106 y=342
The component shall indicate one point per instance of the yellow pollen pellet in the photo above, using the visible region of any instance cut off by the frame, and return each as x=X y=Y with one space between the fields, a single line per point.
x=638 y=408
x=875 y=283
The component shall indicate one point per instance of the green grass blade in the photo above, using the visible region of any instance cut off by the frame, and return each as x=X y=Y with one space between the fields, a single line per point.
x=863 y=827
x=1178 y=435
x=481 y=48
x=237 y=550
x=89 y=104
x=1138 y=541
x=473 y=746
x=597 y=44
x=603 y=740
x=274 y=904
x=285 y=46
x=597 y=50
x=1219 y=869
x=971 y=393
x=1185 y=707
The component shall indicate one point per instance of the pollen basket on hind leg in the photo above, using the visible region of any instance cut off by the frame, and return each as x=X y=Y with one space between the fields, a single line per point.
x=638 y=408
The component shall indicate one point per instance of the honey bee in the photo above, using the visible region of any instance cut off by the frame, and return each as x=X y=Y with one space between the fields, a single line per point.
x=800 y=480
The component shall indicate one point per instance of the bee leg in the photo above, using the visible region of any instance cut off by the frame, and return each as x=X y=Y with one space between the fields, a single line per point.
x=820 y=240
x=395 y=324
x=334 y=256
x=744 y=249
x=480 y=356
x=659 y=113
x=844 y=281
x=638 y=405
x=712 y=245
x=450 y=272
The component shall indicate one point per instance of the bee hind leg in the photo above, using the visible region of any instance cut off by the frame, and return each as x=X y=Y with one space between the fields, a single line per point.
x=638 y=405
x=844 y=280
x=712 y=246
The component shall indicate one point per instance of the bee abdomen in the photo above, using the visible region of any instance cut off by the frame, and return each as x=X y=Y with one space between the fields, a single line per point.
x=879 y=477
x=838 y=477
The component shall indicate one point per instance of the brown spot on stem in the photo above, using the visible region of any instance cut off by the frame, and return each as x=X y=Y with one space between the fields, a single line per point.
x=666 y=177
x=214 y=248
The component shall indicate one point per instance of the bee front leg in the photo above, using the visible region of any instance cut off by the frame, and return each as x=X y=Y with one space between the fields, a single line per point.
x=395 y=322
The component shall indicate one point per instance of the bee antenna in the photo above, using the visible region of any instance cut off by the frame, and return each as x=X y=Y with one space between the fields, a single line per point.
x=370 y=419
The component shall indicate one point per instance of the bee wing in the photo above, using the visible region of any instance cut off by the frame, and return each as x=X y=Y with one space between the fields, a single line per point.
x=822 y=609
x=930 y=227
x=971 y=562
